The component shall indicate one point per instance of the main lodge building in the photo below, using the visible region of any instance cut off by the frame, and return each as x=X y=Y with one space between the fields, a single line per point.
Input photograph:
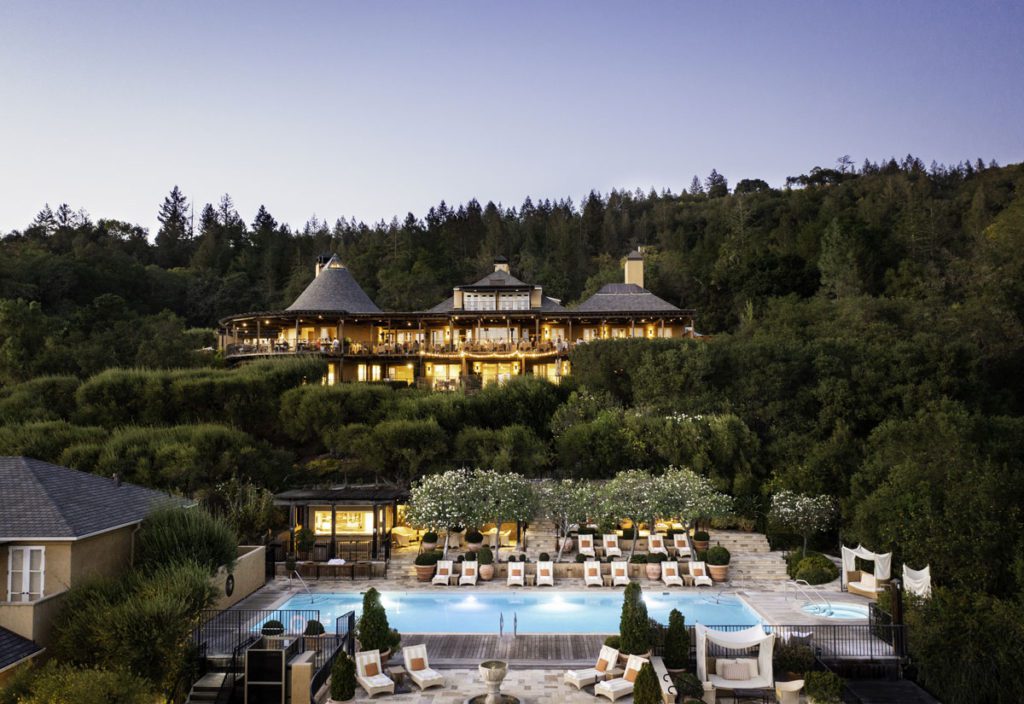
x=487 y=331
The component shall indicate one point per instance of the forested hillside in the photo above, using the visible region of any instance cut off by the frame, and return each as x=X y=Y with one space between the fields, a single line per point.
x=867 y=337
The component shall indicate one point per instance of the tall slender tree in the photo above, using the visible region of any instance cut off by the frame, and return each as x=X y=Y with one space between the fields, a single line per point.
x=174 y=239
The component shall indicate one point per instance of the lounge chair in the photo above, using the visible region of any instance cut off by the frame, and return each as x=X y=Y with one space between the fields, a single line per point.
x=399 y=540
x=620 y=573
x=621 y=686
x=592 y=574
x=670 y=574
x=418 y=667
x=469 y=573
x=370 y=674
x=656 y=543
x=517 y=574
x=584 y=678
x=611 y=545
x=681 y=544
x=586 y=545
x=699 y=572
x=545 y=574
x=444 y=573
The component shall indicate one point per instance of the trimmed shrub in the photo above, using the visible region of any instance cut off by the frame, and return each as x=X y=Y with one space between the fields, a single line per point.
x=634 y=625
x=343 y=678
x=701 y=535
x=429 y=537
x=313 y=628
x=816 y=569
x=581 y=558
x=485 y=556
x=305 y=539
x=823 y=687
x=639 y=559
x=677 y=641
x=793 y=657
x=544 y=557
x=175 y=535
x=657 y=557
x=273 y=627
x=474 y=536
x=430 y=557
x=613 y=642
x=717 y=555
x=374 y=631
x=688 y=686
x=646 y=689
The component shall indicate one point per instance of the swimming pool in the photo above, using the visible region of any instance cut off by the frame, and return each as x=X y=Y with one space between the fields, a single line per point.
x=536 y=612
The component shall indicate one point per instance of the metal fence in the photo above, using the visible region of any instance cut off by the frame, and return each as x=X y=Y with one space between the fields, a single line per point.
x=835 y=642
x=342 y=640
x=221 y=631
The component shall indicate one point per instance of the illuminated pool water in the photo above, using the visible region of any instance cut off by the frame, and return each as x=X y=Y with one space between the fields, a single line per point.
x=469 y=611
x=842 y=612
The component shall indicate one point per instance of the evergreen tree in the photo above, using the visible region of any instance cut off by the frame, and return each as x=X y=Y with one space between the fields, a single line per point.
x=173 y=240
x=840 y=276
x=696 y=189
x=717 y=185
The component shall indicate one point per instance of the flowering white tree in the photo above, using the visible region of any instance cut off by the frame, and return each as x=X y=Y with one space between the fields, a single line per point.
x=503 y=496
x=567 y=502
x=802 y=514
x=631 y=494
x=686 y=495
x=445 y=500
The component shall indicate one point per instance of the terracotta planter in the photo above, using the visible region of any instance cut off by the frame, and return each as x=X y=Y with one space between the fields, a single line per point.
x=487 y=572
x=653 y=570
x=424 y=573
x=719 y=573
x=699 y=545
x=566 y=544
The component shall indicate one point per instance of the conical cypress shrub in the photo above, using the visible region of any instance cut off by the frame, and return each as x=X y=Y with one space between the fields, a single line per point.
x=646 y=689
x=634 y=625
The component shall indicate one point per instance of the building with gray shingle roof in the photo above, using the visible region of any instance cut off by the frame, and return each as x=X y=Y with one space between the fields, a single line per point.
x=15 y=650
x=42 y=501
x=624 y=298
x=333 y=290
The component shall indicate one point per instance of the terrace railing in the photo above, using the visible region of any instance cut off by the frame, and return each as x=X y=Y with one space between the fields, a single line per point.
x=331 y=645
x=221 y=631
x=833 y=643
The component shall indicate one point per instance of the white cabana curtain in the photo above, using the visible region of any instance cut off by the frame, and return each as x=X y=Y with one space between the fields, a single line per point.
x=737 y=640
x=918 y=582
x=883 y=562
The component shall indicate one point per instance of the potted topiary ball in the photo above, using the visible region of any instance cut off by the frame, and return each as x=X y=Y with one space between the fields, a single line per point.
x=474 y=540
x=312 y=634
x=305 y=541
x=343 y=678
x=701 y=540
x=485 y=559
x=823 y=688
x=688 y=687
x=272 y=628
x=718 y=563
x=428 y=541
x=425 y=563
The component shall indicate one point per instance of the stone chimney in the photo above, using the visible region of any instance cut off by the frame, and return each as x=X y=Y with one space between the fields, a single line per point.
x=501 y=264
x=635 y=268
x=321 y=262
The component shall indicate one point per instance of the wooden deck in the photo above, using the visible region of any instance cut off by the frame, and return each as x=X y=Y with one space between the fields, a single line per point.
x=468 y=650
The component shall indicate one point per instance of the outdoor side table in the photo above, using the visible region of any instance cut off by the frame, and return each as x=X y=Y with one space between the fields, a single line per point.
x=398 y=674
x=687 y=580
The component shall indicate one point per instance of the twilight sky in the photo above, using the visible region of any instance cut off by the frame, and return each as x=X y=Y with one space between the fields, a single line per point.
x=374 y=109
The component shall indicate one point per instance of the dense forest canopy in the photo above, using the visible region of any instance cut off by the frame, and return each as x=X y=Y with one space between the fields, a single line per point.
x=867 y=336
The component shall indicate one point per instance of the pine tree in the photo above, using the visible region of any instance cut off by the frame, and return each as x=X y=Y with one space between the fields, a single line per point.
x=840 y=275
x=696 y=189
x=646 y=689
x=174 y=239
x=717 y=185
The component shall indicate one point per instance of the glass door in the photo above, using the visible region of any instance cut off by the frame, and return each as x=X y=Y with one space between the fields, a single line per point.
x=26 y=573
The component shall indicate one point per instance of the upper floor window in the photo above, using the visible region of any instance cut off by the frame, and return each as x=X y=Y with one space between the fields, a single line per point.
x=26 y=572
x=478 y=301
x=515 y=301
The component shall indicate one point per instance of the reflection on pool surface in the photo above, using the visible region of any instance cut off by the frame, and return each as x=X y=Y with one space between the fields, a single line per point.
x=535 y=611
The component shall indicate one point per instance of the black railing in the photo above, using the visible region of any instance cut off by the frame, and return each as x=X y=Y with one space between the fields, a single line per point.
x=833 y=642
x=221 y=631
x=330 y=646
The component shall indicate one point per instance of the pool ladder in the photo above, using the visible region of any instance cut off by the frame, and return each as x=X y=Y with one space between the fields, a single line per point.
x=813 y=596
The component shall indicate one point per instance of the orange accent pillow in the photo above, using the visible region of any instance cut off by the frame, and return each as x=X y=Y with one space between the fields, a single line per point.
x=592 y=572
x=418 y=664
x=602 y=665
x=631 y=675
x=545 y=573
x=698 y=572
x=609 y=543
x=468 y=571
x=619 y=572
x=442 y=571
x=371 y=669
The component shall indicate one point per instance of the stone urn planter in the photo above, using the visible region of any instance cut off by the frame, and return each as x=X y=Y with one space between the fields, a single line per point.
x=566 y=544
x=486 y=572
x=718 y=563
x=653 y=570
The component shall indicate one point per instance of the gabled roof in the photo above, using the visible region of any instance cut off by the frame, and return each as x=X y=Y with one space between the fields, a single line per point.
x=44 y=501
x=355 y=493
x=14 y=648
x=498 y=279
x=624 y=298
x=547 y=305
x=334 y=290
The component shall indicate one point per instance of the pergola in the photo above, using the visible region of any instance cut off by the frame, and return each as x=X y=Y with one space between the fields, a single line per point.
x=357 y=513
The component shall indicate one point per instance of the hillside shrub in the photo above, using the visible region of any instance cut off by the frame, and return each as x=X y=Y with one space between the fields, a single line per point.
x=42 y=398
x=63 y=684
x=175 y=535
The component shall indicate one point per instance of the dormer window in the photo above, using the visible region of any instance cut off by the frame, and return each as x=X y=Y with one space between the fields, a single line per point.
x=26 y=573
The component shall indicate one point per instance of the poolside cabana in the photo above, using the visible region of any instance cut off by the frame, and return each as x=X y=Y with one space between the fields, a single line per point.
x=352 y=522
x=865 y=584
x=742 y=672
